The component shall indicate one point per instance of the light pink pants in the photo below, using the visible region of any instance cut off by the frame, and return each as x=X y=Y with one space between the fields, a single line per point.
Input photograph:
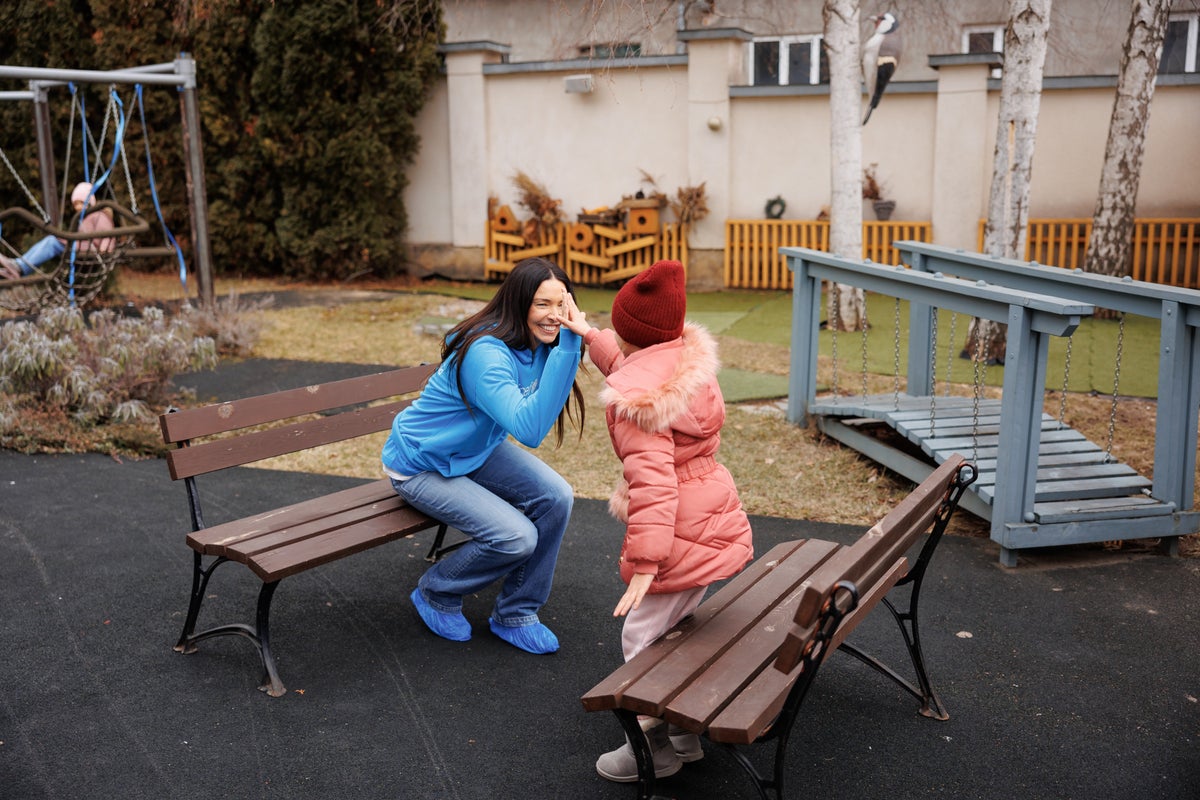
x=655 y=616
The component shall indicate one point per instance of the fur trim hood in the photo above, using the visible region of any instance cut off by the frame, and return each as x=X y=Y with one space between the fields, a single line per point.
x=680 y=372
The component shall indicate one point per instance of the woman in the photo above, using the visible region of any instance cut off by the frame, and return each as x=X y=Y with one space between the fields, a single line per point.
x=509 y=370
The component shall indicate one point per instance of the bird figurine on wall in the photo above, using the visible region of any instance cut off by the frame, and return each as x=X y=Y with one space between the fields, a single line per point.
x=881 y=56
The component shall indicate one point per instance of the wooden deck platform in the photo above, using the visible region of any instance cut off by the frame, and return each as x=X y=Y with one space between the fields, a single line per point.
x=1076 y=479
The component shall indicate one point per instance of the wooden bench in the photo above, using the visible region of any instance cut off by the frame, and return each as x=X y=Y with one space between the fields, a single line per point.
x=737 y=670
x=285 y=541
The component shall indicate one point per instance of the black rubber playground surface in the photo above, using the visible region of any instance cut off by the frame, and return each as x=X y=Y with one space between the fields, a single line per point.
x=1075 y=675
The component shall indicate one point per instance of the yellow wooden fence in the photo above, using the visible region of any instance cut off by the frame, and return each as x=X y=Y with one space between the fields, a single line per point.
x=753 y=261
x=1165 y=251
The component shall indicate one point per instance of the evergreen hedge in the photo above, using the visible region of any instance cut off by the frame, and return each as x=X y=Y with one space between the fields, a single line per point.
x=308 y=115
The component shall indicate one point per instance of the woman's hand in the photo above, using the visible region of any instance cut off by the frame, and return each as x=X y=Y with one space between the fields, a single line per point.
x=639 y=584
x=572 y=318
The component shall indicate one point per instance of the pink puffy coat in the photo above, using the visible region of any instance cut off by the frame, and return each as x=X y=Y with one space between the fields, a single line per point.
x=664 y=408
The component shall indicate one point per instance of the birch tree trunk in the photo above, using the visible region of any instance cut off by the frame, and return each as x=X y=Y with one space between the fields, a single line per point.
x=847 y=309
x=1016 y=130
x=1112 y=223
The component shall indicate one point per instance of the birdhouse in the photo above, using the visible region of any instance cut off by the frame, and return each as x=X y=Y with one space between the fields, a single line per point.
x=643 y=220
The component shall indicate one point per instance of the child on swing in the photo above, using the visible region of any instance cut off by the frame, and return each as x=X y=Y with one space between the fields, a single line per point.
x=51 y=247
x=685 y=526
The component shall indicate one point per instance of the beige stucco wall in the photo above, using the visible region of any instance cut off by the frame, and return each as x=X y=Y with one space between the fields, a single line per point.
x=932 y=143
x=587 y=149
x=427 y=198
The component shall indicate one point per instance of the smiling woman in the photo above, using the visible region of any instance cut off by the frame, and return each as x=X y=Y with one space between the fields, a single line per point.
x=508 y=370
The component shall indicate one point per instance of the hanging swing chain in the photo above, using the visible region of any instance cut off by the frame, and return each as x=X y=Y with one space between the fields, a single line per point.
x=97 y=145
x=950 y=350
x=1112 y=412
x=933 y=346
x=32 y=200
x=863 y=347
x=835 y=323
x=896 y=354
x=1062 y=399
x=133 y=204
x=62 y=189
x=982 y=343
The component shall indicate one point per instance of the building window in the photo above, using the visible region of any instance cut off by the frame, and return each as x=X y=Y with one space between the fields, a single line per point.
x=1179 y=44
x=611 y=50
x=788 y=61
x=984 y=39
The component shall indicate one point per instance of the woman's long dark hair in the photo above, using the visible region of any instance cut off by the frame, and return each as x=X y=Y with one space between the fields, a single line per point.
x=506 y=317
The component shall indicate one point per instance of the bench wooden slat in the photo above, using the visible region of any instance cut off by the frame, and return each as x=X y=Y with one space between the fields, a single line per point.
x=247 y=548
x=223 y=417
x=248 y=448
x=750 y=714
x=735 y=631
x=307 y=553
x=606 y=695
x=214 y=539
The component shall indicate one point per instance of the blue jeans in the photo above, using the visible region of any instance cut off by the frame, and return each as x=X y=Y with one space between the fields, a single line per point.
x=44 y=250
x=515 y=510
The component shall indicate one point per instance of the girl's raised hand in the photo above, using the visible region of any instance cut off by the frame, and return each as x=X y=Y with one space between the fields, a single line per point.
x=572 y=317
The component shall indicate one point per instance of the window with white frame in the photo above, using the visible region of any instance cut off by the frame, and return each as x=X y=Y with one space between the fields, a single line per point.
x=788 y=61
x=1179 y=44
x=984 y=39
x=610 y=50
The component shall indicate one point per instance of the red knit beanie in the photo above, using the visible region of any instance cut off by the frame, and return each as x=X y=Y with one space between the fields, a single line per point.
x=649 y=309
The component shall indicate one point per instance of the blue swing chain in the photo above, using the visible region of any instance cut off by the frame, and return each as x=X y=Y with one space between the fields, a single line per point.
x=154 y=194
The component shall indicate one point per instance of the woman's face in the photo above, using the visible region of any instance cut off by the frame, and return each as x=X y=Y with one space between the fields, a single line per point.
x=544 y=312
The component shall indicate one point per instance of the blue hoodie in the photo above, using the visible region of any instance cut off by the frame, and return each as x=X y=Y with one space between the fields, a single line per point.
x=511 y=392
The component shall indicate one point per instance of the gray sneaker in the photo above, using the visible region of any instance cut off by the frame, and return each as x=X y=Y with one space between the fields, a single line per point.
x=687 y=745
x=620 y=765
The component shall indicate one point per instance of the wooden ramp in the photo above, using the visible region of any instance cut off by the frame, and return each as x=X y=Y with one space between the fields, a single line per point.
x=1076 y=480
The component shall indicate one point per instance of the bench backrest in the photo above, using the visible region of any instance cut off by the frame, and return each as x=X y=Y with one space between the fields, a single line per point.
x=352 y=395
x=876 y=553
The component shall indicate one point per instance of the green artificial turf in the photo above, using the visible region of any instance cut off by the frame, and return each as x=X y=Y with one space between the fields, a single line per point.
x=766 y=316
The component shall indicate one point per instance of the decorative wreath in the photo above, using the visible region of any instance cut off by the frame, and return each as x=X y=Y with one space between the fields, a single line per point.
x=775 y=208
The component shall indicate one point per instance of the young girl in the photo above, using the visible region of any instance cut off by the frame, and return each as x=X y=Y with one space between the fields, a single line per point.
x=506 y=371
x=51 y=247
x=685 y=527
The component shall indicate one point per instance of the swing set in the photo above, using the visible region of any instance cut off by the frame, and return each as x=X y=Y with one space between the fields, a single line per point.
x=1041 y=483
x=89 y=257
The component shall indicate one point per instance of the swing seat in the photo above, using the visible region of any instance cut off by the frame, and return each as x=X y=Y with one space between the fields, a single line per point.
x=60 y=284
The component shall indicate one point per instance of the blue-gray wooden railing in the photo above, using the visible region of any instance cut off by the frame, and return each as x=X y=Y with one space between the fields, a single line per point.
x=1179 y=343
x=1031 y=319
x=1036 y=302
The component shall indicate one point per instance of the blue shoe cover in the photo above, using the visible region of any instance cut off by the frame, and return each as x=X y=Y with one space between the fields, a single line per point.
x=535 y=638
x=448 y=626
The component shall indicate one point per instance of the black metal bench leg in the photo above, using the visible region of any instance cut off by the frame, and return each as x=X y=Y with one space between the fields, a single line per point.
x=200 y=576
x=761 y=784
x=931 y=706
x=641 y=752
x=922 y=690
x=271 y=684
x=436 y=550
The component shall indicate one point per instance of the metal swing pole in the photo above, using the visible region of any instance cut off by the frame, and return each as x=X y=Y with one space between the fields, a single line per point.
x=185 y=66
x=45 y=149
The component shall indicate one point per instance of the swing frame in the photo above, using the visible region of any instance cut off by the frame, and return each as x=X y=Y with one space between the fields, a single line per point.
x=181 y=74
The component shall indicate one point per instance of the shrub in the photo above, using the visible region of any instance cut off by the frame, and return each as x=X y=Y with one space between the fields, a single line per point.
x=234 y=325
x=105 y=369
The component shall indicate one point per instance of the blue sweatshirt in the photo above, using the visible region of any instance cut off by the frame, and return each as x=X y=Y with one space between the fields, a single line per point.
x=511 y=392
